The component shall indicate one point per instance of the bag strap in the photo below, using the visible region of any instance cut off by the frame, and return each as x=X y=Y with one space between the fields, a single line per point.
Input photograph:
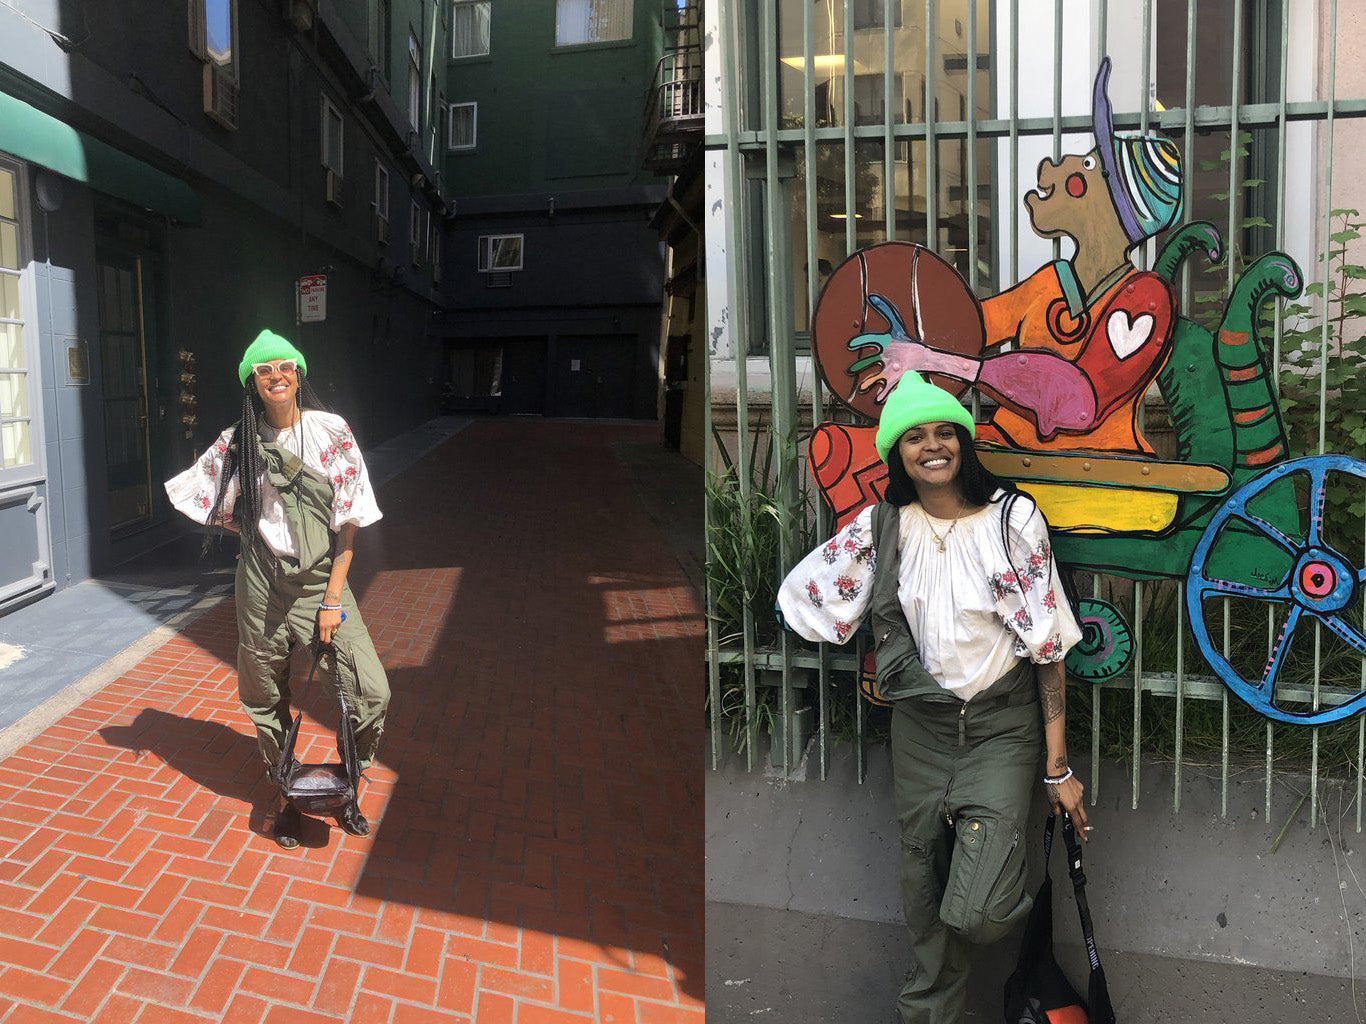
x=1069 y=836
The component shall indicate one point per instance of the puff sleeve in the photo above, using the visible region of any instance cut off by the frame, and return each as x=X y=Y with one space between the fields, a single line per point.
x=194 y=491
x=1027 y=591
x=353 y=499
x=827 y=593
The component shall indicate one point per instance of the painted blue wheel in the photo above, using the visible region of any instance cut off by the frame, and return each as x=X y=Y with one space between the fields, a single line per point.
x=1320 y=584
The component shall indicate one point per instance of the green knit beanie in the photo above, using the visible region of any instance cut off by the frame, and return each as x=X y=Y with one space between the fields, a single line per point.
x=269 y=346
x=912 y=402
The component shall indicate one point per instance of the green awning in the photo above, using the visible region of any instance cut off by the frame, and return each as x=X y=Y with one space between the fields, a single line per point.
x=29 y=134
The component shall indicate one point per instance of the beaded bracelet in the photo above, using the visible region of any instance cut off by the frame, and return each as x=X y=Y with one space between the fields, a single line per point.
x=1059 y=780
x=329 y=607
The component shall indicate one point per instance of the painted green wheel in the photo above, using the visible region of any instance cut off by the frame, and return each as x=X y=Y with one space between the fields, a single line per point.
x=1106 y=647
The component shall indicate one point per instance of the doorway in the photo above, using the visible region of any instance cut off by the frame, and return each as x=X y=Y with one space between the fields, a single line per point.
x=123 y=345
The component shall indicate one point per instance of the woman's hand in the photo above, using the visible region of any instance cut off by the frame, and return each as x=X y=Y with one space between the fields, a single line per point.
x=1067 y=796
x=328 y=621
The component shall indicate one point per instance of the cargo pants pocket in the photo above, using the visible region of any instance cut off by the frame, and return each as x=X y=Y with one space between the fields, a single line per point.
x=986 y=894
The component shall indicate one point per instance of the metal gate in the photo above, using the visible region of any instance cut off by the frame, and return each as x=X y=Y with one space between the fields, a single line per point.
x=816 y=150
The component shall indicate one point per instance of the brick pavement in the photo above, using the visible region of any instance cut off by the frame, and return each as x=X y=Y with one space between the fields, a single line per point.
x=536 y=853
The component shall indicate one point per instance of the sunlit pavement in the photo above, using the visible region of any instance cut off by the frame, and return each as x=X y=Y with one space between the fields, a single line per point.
x=536 y=853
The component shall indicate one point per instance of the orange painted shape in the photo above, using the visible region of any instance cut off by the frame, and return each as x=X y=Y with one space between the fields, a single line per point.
x=1251 y=415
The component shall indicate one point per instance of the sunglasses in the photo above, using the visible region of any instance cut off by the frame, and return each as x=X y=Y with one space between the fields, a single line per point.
x=267 y=370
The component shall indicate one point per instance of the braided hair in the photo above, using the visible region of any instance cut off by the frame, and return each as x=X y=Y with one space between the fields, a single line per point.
x=244 y=461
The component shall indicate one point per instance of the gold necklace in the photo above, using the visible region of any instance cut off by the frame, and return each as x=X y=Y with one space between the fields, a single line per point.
x=962 y=504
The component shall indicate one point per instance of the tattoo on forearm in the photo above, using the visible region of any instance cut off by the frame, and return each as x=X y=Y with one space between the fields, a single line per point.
x=1051 y=694
x=1060 y=762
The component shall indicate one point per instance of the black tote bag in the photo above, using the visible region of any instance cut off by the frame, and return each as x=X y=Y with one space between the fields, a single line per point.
x=1038 y=992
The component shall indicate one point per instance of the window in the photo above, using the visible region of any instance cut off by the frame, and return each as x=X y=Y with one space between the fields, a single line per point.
x=591 y=21
x=869 y=14
x=380 y=39
x=436 y=256
x=213 y=39
x=414 y=82
x=332 y=131
x=431 y=238
x=213 y=33
x=500 y=252
x=464 y=123
x=471 y=28
x=415 y=233
x=17 y=446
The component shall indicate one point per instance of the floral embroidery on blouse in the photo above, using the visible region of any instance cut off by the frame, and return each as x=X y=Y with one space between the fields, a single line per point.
x=847 y=587
x=842 y=629
x=813 y=593
x=328 y=450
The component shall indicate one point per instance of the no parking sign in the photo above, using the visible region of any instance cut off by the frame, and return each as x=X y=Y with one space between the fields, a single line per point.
x=312 y=298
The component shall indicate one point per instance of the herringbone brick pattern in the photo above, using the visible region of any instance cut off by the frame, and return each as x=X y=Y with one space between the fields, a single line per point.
x=536 y=854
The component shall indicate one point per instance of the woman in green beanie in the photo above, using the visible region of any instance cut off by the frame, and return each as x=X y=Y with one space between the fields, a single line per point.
x=289 y=478
x=971 y=626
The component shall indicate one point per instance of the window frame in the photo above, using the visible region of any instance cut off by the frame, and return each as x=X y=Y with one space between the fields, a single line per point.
x=455 y=7
x=198 y=11
x=327 y=107
x=414 y=81
x=35 y=470
x=451 y=146
x=381 y=209
x=484 y=262
x=628 y=38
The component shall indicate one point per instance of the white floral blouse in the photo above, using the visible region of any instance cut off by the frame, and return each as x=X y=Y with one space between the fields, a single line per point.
x=974 y=610
x=328 y=450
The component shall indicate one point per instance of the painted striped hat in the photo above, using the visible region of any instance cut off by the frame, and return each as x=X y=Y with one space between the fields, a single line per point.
x=1143 y=172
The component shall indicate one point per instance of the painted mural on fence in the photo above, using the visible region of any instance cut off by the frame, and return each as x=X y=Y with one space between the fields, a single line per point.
x=1066 y=357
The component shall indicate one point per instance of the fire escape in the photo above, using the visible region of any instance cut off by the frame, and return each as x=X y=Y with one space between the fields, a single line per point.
x=673 y=109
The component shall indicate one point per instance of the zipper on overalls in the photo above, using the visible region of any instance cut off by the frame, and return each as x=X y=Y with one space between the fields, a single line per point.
x=962 y=724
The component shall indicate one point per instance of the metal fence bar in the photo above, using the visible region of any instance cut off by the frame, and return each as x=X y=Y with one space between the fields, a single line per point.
x=1014 y=135
x=1323 y=371
x=1207 y=117
x=888 y=119
x=738 y=285
x=1057 y=97
x=1138 y=690
x=970 y=162
x=781 y=359
x=931 y=114
x=850 y=182
x=812 y=290
x=1278 y=322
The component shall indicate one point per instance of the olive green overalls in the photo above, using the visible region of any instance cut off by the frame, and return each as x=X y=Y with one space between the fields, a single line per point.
x=962 y=776
x=277 y=607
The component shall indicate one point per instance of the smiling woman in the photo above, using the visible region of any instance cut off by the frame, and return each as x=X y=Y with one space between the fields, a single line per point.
x=289 y=478
x=970 y=627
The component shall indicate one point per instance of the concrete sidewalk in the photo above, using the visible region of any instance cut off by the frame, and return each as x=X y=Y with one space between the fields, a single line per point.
x=537 y=846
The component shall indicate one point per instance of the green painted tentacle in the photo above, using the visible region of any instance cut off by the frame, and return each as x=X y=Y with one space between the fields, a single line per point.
x=1258 y=430
x=1198 y=235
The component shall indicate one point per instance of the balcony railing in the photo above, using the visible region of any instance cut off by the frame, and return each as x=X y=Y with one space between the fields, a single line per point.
x=674 y=110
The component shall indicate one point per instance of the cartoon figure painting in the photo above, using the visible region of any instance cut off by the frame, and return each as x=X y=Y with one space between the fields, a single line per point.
x=1067 y=355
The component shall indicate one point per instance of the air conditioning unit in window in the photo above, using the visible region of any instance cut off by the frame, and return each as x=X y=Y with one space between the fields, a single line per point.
x=334 y=188
x=220 y=95
x=381 y=229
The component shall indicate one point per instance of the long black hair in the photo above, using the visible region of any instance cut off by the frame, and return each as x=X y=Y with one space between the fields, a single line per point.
x=244 y=461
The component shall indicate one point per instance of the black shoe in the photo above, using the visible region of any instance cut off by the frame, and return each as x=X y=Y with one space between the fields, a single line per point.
x=353 y=822
x=287 y=823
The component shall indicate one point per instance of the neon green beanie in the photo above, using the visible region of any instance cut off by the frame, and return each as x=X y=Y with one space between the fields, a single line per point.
x=912 y=402
x=267 y=346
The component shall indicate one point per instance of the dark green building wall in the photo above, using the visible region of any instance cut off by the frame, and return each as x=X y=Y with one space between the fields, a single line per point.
x=553 y=118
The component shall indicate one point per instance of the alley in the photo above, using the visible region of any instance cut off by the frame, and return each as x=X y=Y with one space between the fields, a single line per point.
x=537 y=851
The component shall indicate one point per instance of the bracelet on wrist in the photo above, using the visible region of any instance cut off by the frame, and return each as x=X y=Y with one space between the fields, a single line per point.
x=1058 y=780
x=330 y=607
